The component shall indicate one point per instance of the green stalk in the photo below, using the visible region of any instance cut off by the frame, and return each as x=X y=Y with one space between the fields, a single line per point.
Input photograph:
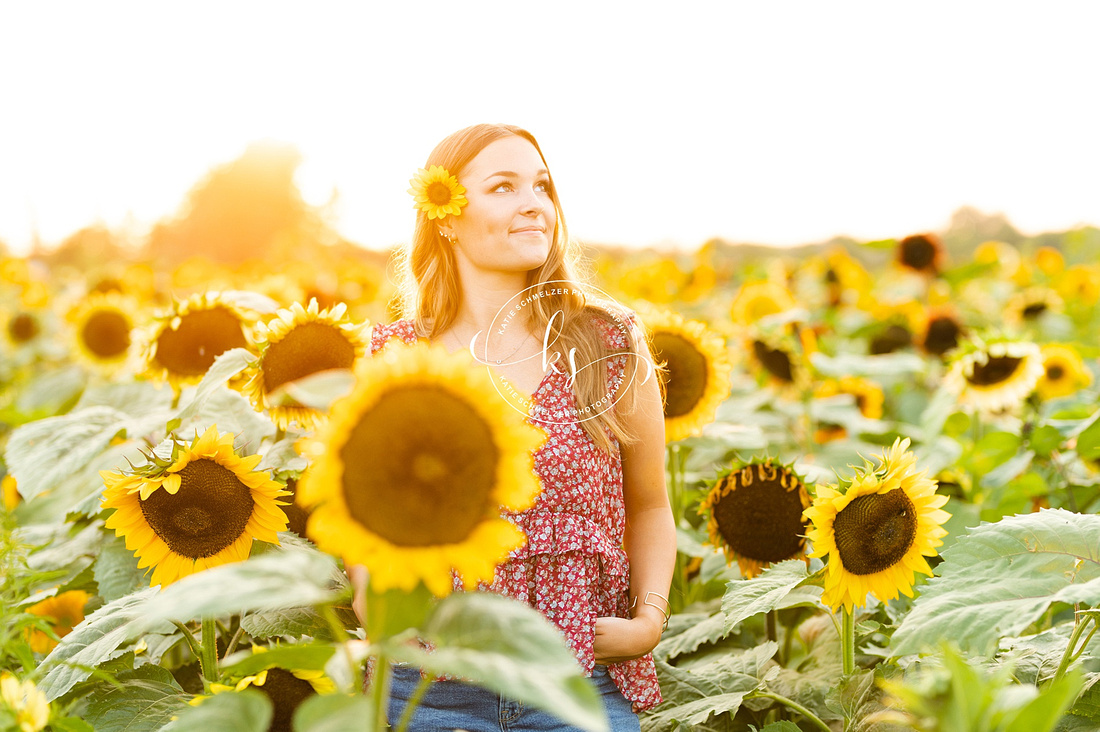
x=189 y=637
x=1071 y=653
x=380 y=693
x=414 y=701
x=340 y=637
x=813 y=718
x=770 y=625
x=848 y=642
x=209 y=658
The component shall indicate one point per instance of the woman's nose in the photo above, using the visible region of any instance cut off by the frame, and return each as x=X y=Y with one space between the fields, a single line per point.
x=531 y=203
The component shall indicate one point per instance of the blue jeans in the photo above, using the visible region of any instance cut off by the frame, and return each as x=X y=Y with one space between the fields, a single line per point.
x=450 y=705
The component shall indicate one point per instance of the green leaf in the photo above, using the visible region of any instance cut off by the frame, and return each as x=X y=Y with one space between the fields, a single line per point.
x=274 y=580
x=242 y=711
x=1001 y=577
x=294 y=622
x=318 y=390
x=778 y=586
x=1045 y=440
x=70 y=724
x=854 y=364
x=224 y=368
x=99 y=638
x=692 y=696
x=1044 y=711
x=1088 y=442
x=505 y=646
x=116 y=571
x=707 y=629
x=137 y=706
x=780 y=726
x=332 y=713
x=1088 y=702
x=1008 y=470
x=300 y=657
x=393 y=611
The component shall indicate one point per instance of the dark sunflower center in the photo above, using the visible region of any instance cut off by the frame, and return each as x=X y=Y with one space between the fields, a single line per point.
x=23 y=327
x=686 y=380
x=1034 y=310
x=208 y=513
x=286 y=692
x=831 y=276
x=943 y=335
x=762 y=520
x=917 y=252
x=107 y=284
x=306 y=349
x=296 y=516
x=892 y=339
x=874 y=532
x=775 y=360
x=1055 y=372
x=994 y=371
x=420 y=467
x=106 y=333
x=439 y=194
x=203 y=335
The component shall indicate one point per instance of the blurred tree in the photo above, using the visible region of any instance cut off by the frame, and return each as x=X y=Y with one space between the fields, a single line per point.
x=85 y=249
x=246 y=209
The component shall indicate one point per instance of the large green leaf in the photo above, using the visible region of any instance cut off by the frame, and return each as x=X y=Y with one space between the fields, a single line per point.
x=702 y=630
x=274 y=580
x=1001 y=577
x=299 y=657
x=224 y=368
x=116 y=571
x=781 y=585
x=510 y=648
x=98 y=638
x=332 y=713
x=692 y=696
x=243 y=711
x=294 y=622
x=138 y=705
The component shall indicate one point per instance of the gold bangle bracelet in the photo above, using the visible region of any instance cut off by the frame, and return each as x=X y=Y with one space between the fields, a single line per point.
x=666 y=611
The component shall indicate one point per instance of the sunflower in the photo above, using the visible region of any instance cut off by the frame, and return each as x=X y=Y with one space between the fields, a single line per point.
x=287 y=689
x=437 y=192
x=756 y=300
x=754 y=514
x=1080 y=283
x=922 y=253
x=868 y=397
x=411 y=471
x=103 y=323
x=26 y=702
x=941 y=332
x=296 y=343
x=199 y=508
x=1049 y=261
x=1003 y=255
x=10 y=492
x=695 y=379
x=1064 y=372
x=66 y=610
x=1030 y=305
x=876 y=529
x=23 y=326
x=996 y=375
x=184 y=342
x=782 y=358
x=847 y=276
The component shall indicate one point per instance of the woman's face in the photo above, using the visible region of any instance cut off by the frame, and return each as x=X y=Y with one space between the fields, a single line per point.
x=509 y=220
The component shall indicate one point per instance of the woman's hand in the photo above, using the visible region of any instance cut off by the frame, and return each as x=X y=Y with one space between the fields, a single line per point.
x=619 y=639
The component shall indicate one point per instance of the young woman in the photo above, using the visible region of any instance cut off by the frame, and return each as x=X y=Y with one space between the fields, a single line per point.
x=497 y=272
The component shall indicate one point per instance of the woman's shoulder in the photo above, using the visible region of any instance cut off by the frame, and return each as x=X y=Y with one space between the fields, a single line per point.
x=405 y=329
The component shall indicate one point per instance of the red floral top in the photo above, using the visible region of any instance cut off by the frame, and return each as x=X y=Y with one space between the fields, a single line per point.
x=573 y=568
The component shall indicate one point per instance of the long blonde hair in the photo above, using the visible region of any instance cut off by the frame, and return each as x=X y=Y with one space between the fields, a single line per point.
x=430 y=291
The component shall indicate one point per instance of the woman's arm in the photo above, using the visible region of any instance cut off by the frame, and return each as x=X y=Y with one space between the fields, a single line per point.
x=650 y=538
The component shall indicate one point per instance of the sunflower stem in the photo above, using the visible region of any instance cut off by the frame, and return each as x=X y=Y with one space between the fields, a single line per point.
x=175 y=398
x=189 y=638
x=1070 y=654
x=233 y=642
x=414 y=701
x=848 y=642
x=340 y=635
x=790 y=703
x=209 y=658
x=380 y=692
x=770 y=625
x=677 y=599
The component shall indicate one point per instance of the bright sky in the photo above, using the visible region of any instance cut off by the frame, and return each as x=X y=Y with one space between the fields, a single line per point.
x=777 y=123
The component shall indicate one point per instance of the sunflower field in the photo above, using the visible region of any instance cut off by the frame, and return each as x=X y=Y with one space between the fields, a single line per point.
x=883 y=459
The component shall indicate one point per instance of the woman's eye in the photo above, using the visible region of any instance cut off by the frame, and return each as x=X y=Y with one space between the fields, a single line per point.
x=503 y=186
x=543 y=185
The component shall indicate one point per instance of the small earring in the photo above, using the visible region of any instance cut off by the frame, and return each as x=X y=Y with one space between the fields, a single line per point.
x=449 y=237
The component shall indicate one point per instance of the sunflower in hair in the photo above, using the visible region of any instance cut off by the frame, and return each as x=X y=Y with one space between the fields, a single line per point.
x=103 y=323
x=183 y=343
x=876 y=529
x=695 y=379
x=995 y=374
x=754 y=514
x=296 y=343
x=437 y=193
x=412 y=470
x=197 y=507
x=1064 y=372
